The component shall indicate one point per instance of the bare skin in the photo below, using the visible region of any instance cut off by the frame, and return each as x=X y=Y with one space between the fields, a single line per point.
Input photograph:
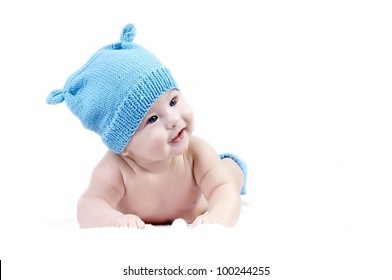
x=164 y=173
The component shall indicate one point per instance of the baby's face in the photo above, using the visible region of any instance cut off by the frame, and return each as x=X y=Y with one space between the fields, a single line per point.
x=165 y=130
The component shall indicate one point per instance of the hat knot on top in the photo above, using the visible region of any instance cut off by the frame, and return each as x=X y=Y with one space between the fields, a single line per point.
x=114 y=90
x=127 y=34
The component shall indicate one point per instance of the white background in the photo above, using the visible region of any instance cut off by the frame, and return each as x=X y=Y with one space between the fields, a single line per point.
x=300 y=90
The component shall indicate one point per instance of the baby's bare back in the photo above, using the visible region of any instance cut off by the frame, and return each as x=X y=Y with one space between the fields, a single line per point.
x=162 y=197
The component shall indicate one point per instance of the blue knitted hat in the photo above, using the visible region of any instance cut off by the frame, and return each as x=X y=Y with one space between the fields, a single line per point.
x=114 y=90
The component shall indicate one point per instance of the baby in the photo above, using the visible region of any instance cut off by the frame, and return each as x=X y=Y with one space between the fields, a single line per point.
x=155 y=170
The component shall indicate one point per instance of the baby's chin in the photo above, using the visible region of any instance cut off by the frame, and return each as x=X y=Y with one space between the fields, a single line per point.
x=178 y=153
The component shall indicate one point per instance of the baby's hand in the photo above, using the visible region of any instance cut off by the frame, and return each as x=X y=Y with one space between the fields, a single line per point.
x=208 y=219
x=128 y=220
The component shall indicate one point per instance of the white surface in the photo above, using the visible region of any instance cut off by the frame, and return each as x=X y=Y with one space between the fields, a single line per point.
x=301 y=90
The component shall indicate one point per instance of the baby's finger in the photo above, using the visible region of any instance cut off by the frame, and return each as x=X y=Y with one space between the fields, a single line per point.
x=132 y=224
x=140 y=224
x=123 y=224
x=198 y=221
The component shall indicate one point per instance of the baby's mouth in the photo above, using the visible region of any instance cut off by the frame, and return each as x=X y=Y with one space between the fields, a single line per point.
x=179 y=137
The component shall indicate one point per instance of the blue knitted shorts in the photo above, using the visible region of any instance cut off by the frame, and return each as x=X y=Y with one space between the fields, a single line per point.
x=241 y=164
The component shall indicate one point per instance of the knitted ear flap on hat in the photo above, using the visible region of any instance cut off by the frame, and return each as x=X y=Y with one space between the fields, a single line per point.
x=114 y=90
x=59 y=95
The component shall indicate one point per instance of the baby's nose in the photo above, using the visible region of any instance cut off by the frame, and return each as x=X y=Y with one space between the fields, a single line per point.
x=173 y=121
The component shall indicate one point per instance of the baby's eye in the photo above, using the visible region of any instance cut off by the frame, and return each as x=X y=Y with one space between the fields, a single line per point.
x=174 y=101
x=152 y=119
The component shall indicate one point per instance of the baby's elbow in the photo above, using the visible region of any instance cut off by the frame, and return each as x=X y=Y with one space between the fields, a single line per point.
x=81 y=213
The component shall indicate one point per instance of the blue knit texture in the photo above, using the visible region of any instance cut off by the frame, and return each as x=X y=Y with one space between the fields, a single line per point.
x=114 y=90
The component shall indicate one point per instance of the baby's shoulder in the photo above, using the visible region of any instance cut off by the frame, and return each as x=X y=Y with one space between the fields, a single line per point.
x=110 y=160
x=198 y=147
x=204 y=157
x=110 y=166
x=197 y=142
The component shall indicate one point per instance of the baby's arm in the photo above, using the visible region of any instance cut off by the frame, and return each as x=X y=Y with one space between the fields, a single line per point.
x=96 y=207
x=218 y=186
